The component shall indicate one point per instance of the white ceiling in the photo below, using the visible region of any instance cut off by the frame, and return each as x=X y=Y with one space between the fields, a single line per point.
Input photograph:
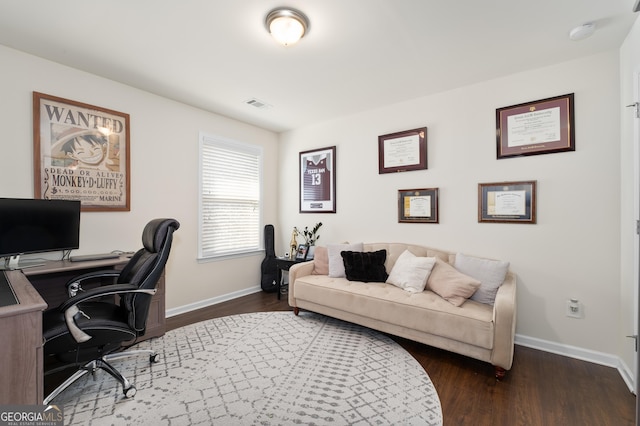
x=358 y=54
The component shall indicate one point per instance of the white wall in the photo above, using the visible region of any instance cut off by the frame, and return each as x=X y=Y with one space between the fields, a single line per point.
x=630 y=190
x=573 y=250
x=164 y=169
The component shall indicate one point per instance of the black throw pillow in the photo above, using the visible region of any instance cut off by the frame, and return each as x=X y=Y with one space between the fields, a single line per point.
x=365 y=266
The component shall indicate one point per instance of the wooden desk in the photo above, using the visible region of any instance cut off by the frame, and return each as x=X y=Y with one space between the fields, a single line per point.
x=21 y=352
x=21 y=380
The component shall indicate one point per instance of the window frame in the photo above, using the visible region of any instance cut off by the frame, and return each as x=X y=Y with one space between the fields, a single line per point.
x=206 y=139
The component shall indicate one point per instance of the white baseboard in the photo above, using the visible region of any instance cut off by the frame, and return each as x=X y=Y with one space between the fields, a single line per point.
x=627 y=376
x=588 y=355
x=213 y=301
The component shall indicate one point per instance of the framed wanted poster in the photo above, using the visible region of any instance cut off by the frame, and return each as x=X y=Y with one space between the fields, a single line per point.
x=318 y=181
x=81 y=152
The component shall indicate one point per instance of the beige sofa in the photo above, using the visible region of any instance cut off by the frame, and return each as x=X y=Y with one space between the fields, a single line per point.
x=478 y=330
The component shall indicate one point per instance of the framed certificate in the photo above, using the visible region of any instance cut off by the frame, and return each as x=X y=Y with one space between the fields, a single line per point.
x=507 y=202
x=418 y=205
x=540 y=127
x=402 y=151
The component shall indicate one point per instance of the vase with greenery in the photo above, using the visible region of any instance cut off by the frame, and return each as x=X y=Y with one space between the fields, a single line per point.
x=311 y=236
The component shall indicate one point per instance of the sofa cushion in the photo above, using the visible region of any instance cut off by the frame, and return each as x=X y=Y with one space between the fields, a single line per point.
x=365 y=266
x=321 y=261
x=410 y=272
x=450 y=284
x=394 y=250
x=490 y=273
x=336 y=264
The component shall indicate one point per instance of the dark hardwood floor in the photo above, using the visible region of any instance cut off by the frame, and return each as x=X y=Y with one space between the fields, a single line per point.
x=540 y=389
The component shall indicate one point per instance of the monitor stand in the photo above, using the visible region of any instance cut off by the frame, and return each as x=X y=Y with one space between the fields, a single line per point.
x=11 y=263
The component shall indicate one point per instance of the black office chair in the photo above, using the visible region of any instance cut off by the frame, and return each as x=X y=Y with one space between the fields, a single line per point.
x=88 y=328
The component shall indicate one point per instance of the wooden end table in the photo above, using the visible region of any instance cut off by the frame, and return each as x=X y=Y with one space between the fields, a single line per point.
x=284 y=263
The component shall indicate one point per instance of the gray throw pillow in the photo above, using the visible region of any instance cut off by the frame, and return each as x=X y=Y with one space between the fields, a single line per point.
x=490 y=273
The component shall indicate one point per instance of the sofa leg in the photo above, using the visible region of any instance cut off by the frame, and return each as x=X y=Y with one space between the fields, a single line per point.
x=500 y=373
x=296 y=310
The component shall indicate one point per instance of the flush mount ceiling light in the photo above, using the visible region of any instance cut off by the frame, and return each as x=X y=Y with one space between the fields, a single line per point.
x=287 y=25
x=582 y=32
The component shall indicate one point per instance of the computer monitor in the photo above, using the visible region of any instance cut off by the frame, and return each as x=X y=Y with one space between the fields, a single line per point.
x=36 y=226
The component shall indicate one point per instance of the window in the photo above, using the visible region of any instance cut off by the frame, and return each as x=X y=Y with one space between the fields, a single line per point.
x=230 y=198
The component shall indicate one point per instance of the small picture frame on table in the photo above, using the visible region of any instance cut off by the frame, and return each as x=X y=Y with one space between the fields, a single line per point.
x=507 y=202
x=418 y=205
x=301 y=254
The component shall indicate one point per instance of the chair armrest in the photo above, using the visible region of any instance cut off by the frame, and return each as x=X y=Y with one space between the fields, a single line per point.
x=70 y=306
x=105 y=290
x=74 y=285
x=298 y=270
x=504 y=319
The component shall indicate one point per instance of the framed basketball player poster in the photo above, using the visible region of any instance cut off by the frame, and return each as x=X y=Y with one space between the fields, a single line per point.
x=81 y=152
x=318 y=181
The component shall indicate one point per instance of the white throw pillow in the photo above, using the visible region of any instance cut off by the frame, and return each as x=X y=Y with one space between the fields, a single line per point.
x=336 y=264
x=490 y=273
x=411 y=272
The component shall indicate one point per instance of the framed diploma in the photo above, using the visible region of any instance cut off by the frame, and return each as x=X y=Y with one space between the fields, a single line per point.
x=418 y=205
x=402 y=151
x=318 y=181
x=507 y=202
x=540 y=127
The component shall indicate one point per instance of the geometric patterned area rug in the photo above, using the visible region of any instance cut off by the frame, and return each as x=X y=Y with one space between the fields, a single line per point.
x=266 y=368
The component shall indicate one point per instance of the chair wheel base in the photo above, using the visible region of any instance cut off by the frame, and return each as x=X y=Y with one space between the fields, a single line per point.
x=130 y=392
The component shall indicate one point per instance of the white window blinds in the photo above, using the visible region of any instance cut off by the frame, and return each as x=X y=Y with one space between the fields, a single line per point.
x=230 y=197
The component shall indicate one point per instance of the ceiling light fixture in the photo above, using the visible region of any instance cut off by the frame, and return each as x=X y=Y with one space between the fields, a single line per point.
x=287 y=25
x=582 y=32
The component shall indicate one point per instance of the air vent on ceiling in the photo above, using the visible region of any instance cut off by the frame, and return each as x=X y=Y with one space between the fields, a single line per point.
x=257 y=103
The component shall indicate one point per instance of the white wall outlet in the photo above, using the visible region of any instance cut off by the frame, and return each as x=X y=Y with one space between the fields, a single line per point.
x=574 y=308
